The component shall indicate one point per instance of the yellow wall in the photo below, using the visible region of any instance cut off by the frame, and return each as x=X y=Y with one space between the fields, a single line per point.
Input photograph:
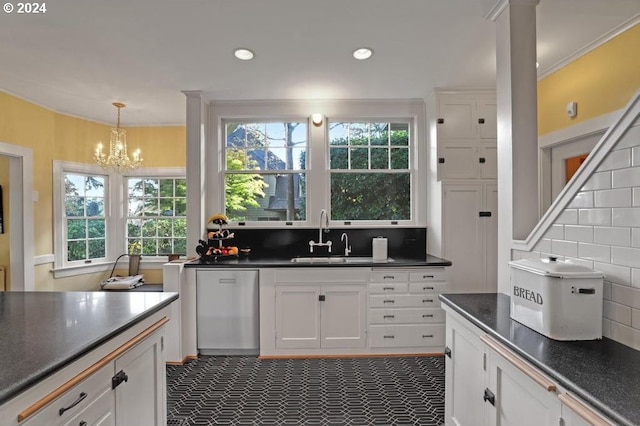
x=54 y=136
x=601 y=81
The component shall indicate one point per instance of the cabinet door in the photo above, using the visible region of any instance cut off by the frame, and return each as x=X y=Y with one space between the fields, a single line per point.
x=464 y=376
x=141 y=400
x=463 y=231
x=487 y=117
x=343 y=316
x=491 y=237
x=458 y=160
x=297 y=316
x=488 y=152
x=518 y=400
x=457 y=114
x=578 y=413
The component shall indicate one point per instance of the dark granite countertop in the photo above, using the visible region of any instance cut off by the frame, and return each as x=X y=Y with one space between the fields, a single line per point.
x=603 y=372
x=279 y=262
x=42 y=332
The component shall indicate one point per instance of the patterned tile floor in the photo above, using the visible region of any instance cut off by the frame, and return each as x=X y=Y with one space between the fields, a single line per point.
x=214 y=390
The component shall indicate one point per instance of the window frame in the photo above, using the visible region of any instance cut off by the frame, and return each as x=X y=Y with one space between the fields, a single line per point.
x=115 y=201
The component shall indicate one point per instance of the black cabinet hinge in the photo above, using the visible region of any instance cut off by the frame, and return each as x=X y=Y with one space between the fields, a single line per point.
x=481 y=120
x=441 y=160
x=440 y=120
x=120 y=377
x=321 y=298
x=482 y=160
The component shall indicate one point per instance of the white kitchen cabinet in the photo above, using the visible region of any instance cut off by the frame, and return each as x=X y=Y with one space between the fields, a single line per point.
x=466 y=135
x=404 y=310
x=92 y=397
x=301 y=313
x=470 y=233
x=488 y=384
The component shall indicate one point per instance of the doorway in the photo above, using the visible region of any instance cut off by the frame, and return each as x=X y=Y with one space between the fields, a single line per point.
x=20 y=212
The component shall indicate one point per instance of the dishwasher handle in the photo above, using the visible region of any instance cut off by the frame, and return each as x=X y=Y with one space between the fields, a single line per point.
x=226 y=281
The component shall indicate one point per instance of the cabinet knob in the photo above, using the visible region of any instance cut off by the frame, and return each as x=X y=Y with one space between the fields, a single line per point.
x=321 y=298
x=427 y=336
x=482 y=160
x=440 y=120
x=481 y=120
x=441 y=160
x=389 y=337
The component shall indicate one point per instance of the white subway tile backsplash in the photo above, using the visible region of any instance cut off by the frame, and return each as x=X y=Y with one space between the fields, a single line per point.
x=594 y=252
x=601 y=180
x=625 y=178
x=635 y=237
x=636 y=197
x=594 y=217
x=582 y=200
x=635 y=156
x=543 y=246
x=625 y=335
x=625 y=216
x=606 y=290
x=568 y=217
x=612 y=236
x=578 y=233
x=615 y=274
x=635 y=278
x=564 y=248
x=556 y=232
x=625 y=256
x=606 y=328
x=616 y=312
x=624 y=295
x=612 y=198
x=616 y=160
x=635 y=318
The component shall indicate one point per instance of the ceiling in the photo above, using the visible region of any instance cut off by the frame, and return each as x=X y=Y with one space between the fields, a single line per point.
x=80 y=56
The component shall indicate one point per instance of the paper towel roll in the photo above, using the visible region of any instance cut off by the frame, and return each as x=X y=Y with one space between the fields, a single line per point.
x=379 y=248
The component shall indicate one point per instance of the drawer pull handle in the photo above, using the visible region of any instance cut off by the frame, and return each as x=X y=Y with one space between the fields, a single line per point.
x=389 y=337
x=388 y=316
x=81 y=398
x=427 y=288
x=427 y=336
x=388 y=288
x=525 y=368
x=388 y=277
x=389 y=301
x=427 y=316
x=427 y=276
x=427 y=300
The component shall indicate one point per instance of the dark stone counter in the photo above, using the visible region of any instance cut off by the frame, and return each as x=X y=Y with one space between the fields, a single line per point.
x=279 y=262
x=603 y=372
x=42 y=332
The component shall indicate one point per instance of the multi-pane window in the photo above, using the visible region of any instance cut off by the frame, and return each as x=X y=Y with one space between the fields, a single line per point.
x=84 y=217
x=370 y=173
x=156 y=216
x=264 y=171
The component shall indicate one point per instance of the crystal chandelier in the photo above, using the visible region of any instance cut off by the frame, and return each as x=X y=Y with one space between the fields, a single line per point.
x=118 y=159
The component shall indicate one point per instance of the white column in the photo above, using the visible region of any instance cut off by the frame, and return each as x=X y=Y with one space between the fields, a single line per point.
x=516 y=91
x=196 y=142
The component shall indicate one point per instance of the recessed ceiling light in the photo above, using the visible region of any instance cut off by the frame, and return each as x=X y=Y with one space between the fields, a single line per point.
x=243 y=54
x=362 y=53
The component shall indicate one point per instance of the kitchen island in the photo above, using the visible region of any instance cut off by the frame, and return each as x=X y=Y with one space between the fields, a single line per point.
x=602 y=373
x=56 y=343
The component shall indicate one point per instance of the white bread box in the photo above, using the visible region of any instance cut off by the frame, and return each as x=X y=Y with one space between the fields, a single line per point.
x=560 y=300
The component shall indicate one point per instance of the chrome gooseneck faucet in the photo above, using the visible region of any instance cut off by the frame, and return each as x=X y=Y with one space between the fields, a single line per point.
x=324 y=226
x=347 y=248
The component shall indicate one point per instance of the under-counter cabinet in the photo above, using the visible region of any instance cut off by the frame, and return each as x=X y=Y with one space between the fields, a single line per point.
x=488 y=384
x=312 y=311
x=125 y=387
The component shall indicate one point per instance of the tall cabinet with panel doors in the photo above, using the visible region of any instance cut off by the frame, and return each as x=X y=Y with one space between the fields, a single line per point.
x=488 y=384
x=463 y=143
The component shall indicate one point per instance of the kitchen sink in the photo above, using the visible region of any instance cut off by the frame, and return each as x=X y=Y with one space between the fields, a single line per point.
x=338 y=259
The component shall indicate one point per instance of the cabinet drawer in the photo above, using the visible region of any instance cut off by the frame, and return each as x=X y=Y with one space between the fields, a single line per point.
x=85 y=392
x=100 y=411
x=428 y=287
x=389 y=288
x=406 y=316
x=436 y=274
x=404 y=301
x=389 y=276
x=407 y=335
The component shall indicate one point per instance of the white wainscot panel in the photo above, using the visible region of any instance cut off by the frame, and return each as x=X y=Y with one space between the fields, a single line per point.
x=568 y=217
x=625 y=295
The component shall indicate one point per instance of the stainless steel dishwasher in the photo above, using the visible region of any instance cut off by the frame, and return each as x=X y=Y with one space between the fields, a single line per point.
x=228 y=319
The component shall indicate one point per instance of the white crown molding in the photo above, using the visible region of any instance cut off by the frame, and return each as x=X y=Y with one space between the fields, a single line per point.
x=635 y=20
